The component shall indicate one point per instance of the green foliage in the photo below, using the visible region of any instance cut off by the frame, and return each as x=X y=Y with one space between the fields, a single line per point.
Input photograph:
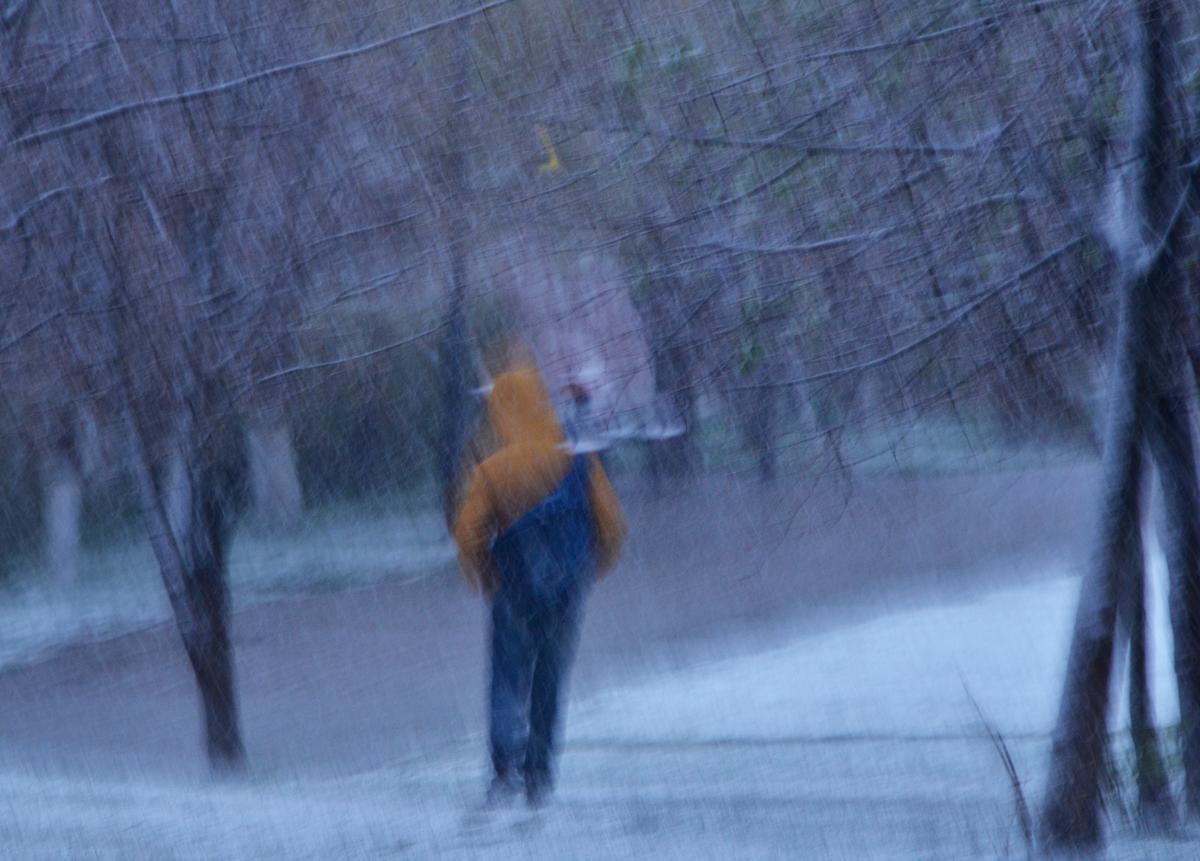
x=1073 y=155
x=648 y=61
x=1092 y=256
x=754 y=344
x=752 y=350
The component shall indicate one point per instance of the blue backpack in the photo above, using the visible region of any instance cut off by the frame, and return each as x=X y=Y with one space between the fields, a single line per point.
x=550 y=549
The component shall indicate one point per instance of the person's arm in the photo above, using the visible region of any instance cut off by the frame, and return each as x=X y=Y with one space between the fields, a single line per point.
x=473 y=534
x=608 y=518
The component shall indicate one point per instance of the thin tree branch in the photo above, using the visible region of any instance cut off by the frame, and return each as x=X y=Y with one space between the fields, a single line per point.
x=804 y=248
x=957 y=317
x=15 y=222
x=205 y=92
x=314 y=366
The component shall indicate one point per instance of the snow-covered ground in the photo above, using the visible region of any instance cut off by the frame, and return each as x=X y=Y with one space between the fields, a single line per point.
x=118 y=587
x=857 y=743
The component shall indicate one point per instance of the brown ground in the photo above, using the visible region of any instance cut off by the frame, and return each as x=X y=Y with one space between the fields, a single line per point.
x=336 y=682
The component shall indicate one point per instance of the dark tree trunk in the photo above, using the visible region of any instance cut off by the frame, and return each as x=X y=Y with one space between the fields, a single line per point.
x=1171 y=439
x=1070 y=817
x=674 y=458
x=1139 y=408
x=187 y=450
x=1155 y=808
x=188 y=504
x=759 y=427
x=668 y=314
x=207 y=641
x=210 y=651
x=1071 y=812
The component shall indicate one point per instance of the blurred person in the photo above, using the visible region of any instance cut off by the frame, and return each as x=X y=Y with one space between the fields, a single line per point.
x=537 y=526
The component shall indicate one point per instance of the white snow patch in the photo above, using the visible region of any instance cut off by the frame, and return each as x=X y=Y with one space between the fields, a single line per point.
x=855 y=744
x=903 y=675
x=1161 y=650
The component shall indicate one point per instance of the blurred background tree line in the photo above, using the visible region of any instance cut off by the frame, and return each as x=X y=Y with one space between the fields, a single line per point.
x=254 y=249
x=830 y=218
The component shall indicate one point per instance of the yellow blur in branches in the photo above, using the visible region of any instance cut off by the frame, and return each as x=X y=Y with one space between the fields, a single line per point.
x=553 y=163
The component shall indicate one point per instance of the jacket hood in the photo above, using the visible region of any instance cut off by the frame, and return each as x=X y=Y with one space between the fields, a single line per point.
x=521 y=411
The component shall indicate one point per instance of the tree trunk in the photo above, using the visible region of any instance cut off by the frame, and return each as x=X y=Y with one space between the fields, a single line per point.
x=757 y=408
x=763 y=434
x=1155 y=809
x=187 y=508
x=674 y=459
x=1071 y=811
x=1171 y=439
x=1070 y=819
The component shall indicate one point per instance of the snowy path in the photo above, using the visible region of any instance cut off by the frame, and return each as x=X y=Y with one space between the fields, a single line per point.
x=120 y=590
x=856 y=743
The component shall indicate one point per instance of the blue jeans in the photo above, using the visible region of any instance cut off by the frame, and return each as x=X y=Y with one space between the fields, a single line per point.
x=533 y=646
x=546 y=562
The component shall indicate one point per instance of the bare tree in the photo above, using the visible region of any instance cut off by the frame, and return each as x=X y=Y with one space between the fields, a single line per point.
x=182 y=194
x=1148 y=401
x=164 y=277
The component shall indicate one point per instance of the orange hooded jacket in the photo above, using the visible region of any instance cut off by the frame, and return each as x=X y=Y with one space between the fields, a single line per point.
x=529 y=466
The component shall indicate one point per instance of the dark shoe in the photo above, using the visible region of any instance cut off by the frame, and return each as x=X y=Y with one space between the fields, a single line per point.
x=538 y=789
x=503 y=791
